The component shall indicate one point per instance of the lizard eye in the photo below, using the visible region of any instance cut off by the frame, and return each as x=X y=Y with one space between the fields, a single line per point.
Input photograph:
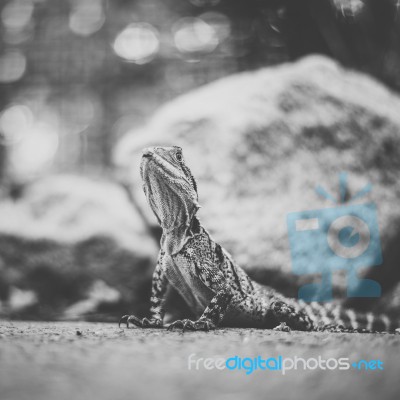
x=178 y=156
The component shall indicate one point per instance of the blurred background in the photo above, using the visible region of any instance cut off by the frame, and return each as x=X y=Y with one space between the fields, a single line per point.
x=76 y=76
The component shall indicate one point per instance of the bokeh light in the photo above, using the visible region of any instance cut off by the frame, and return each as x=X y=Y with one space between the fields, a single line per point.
x=92 y=57
x=87 y=17
x=194 y=35
x=12 y=66
x=349 y=8
x=78 y=109
x=137 y=43
x=14 y=123
x=17 y=14
x=36 y=151
x=219 y=22
x=203 y=3
x=32 y=139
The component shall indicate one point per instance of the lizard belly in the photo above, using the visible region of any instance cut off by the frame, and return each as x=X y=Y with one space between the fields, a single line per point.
x=181 y=276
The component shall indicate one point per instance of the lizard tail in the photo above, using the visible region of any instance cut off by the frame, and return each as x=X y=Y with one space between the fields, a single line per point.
x=333 y=317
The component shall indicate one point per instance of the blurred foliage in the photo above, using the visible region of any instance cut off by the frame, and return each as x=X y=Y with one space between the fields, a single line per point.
x=77 y=75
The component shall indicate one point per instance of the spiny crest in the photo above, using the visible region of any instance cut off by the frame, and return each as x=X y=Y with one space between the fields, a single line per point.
x=189 y=175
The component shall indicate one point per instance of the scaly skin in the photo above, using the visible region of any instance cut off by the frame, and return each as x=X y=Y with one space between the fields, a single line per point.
x=216 y=289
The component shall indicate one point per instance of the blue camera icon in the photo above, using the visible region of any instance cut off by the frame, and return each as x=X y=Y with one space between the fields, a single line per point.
x=345 y=237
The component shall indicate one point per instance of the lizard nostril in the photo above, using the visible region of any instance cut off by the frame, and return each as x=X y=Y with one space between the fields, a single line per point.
x=147 y=153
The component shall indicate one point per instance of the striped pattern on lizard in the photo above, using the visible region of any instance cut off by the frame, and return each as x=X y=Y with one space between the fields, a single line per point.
x=216 y=289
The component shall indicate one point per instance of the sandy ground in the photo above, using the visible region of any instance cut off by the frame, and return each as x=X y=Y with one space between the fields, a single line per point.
x=78 y=360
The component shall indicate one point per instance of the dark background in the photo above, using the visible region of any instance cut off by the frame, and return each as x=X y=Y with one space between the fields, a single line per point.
x=91 y=70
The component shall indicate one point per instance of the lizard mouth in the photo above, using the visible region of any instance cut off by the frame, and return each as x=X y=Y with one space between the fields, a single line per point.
x=144 y=166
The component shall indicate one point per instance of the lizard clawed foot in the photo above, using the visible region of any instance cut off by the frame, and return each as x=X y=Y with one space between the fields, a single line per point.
x=295 y=319
x=141 y=323
x=187 y=324
x=282 y=327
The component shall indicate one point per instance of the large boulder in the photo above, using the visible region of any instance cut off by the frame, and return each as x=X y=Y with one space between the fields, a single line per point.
x=73 y=247
x=260 y=142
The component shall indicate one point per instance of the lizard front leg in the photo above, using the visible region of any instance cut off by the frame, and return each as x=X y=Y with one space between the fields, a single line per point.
x=158 y=290
x=212 y=316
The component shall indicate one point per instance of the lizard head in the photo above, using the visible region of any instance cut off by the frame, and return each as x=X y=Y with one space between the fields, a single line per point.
x=169 y=186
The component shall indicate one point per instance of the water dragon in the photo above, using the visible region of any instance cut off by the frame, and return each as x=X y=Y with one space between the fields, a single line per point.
x=217 y=290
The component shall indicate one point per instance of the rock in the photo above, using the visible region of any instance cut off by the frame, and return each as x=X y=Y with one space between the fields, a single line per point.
x=260 y=142
x=74 y=247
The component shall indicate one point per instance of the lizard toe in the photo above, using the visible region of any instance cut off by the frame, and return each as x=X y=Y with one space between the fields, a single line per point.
x=134 y=321
x=123 y=319
x=204 y=325
x=188 y=325
x=282 y=327
x=140 y=323
x=152 y=323
x=176 y=324
x=126 y=319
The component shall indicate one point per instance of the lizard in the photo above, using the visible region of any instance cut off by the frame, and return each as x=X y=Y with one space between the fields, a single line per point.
x=217 y=290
